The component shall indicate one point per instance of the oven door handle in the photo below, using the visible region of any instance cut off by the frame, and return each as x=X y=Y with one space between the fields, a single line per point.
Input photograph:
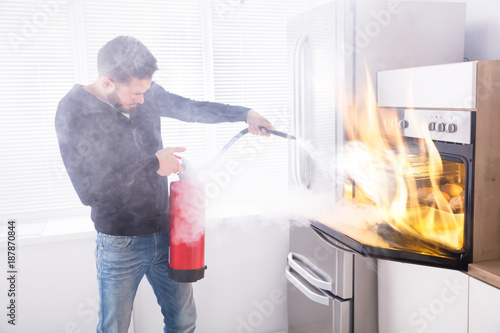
x=313 y=294
x=332 y=242
x=309 y=271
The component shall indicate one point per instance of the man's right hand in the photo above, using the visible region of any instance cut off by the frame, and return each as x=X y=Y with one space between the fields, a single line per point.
x=169 y=164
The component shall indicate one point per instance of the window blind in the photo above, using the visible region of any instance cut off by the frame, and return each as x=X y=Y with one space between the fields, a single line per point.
x=227 y=51
x=36 y=71
x=250 y=69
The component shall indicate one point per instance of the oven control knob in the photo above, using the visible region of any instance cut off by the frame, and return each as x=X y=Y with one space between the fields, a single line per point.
x=403 y=124
x=432 y=126
x=441 y=127
x=451 y=128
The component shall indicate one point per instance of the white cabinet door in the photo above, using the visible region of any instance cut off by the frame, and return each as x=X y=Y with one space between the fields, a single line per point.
x=484 y=306
x=415 y=298
x=445 y=86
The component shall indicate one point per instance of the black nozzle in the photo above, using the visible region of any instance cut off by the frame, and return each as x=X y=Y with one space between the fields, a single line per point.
x=278 y=133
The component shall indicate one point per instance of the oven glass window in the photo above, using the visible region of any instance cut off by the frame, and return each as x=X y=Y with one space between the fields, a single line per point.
x=432 y=220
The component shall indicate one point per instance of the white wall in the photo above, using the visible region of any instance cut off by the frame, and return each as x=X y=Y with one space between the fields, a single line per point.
x=244 y=289
x=482 y=31
x=56 y=287
x=482 y=34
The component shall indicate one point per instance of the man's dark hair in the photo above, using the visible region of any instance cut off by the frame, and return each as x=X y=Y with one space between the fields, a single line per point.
x=124 y=58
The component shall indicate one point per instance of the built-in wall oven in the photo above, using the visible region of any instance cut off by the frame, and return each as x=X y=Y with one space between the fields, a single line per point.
x=424 y=190
x=432 y=171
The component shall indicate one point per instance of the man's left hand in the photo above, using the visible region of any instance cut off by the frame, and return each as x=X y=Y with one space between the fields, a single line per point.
x=255 y=120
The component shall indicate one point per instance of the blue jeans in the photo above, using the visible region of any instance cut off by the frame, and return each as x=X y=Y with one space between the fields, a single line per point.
x=122 y=262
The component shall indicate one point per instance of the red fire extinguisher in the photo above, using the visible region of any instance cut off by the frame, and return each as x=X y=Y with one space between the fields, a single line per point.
x=187 y=220
x=187 y=230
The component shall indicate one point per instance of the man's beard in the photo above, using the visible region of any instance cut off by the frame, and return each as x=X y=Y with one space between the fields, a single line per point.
x=115 y=101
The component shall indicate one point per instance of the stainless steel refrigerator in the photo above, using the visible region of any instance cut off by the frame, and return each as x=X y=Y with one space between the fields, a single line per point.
x=335 y=51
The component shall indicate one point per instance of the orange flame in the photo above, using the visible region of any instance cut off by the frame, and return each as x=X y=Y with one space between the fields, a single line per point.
x=409 y=191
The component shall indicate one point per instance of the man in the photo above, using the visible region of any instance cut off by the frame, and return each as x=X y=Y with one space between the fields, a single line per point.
x=110 y=141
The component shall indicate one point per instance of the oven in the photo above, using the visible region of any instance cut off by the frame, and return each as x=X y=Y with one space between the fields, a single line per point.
x=427 y=176
x=431 y=181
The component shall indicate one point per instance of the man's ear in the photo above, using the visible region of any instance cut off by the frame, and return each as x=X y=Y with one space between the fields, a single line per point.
x=107 y=83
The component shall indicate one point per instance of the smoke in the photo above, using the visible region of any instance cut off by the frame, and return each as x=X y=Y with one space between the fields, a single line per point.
x=252 y=212
x=234 y=202
x=374 y=172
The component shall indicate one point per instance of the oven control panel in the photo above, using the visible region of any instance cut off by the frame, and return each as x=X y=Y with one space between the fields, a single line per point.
x=440 y=125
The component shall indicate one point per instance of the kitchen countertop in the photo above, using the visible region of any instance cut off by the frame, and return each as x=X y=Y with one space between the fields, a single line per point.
x=486 y=271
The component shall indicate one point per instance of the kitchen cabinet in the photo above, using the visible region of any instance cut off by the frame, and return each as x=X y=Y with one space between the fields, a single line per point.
x=416 y=298
x=484 y=305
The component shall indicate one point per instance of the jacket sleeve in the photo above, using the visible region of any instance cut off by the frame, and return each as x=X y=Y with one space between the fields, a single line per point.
x=100 y=170
x=185 y=109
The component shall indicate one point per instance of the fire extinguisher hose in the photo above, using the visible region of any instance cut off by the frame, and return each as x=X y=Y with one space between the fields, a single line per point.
x=239 y=135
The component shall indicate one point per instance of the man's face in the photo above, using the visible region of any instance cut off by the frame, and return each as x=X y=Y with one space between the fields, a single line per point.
x=125 y=97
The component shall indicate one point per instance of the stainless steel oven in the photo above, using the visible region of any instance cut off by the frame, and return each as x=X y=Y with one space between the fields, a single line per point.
x=436 y=172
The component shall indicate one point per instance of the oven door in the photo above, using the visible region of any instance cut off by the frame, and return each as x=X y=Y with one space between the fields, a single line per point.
x=441 y=239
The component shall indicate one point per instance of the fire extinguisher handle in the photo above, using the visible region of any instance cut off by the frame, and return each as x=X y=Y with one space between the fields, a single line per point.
x=183 y=161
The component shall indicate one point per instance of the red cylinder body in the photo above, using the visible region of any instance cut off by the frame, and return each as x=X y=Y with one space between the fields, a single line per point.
x=187 y=231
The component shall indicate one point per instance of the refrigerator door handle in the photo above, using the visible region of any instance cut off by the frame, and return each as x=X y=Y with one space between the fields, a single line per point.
x=313 y=294
x=312 y=274
x=300 y=164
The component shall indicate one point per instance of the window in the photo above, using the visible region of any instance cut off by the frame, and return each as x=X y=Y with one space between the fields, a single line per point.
x=250 y=68
x=37 y=69
x=227 y=51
